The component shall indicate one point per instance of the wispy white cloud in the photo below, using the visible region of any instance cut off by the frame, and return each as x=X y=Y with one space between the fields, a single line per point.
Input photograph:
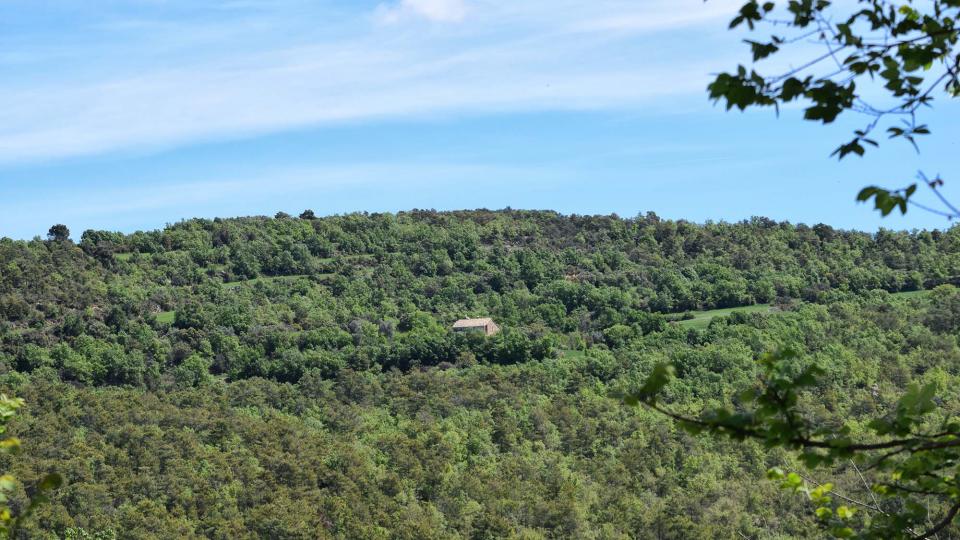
x=432 y=10
x=505 y=56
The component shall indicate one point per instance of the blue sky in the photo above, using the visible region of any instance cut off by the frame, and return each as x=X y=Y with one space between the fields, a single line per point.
x=131 y=114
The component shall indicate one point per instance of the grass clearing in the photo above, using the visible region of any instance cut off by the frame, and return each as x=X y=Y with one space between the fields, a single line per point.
x=571 y=354
x=701 y=319
x=166 y=317
x=262 y=279
x=909 y=294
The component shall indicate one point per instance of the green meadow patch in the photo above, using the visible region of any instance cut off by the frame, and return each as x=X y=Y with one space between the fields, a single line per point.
x=701 y=319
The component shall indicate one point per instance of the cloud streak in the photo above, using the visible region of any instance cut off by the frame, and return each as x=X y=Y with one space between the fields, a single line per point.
x=432 y=10
x=473 y=59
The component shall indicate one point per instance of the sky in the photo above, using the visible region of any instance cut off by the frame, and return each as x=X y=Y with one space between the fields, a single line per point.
x=128 y=115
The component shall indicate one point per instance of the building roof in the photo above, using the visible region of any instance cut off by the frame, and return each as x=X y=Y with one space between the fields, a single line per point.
x=473 y=323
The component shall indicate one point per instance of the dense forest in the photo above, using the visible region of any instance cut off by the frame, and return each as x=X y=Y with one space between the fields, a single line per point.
x=298 y=377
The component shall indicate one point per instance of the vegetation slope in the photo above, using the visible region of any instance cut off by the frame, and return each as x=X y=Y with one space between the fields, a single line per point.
x=298 y=378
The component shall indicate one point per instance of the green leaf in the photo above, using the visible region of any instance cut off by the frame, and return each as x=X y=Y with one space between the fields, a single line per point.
x=918 y=399
x=819 y=494
x=7 y=483
x=50 y=482
x=659 y=377
x=852 y=147
x=792 y=88
x=842 y=532
x=793 y=480
x=761 y=50
x=867 y=192
x=10 y=445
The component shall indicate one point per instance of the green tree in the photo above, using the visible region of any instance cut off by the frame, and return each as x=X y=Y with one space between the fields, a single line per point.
x=58 y=233
x=194 y=371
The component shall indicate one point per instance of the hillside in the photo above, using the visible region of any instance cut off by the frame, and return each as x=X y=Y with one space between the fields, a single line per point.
x=299 y=378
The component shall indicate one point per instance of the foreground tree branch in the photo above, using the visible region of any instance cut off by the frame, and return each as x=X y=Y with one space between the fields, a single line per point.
x=903 y=55
x=922 y=461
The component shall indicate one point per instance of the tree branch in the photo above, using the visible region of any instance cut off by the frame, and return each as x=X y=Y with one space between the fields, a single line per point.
x=943 y=524
x=802 y=442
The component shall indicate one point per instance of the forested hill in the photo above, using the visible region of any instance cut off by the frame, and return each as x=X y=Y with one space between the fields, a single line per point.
x=647 y=264
x=253 y=294
x=299 y=378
